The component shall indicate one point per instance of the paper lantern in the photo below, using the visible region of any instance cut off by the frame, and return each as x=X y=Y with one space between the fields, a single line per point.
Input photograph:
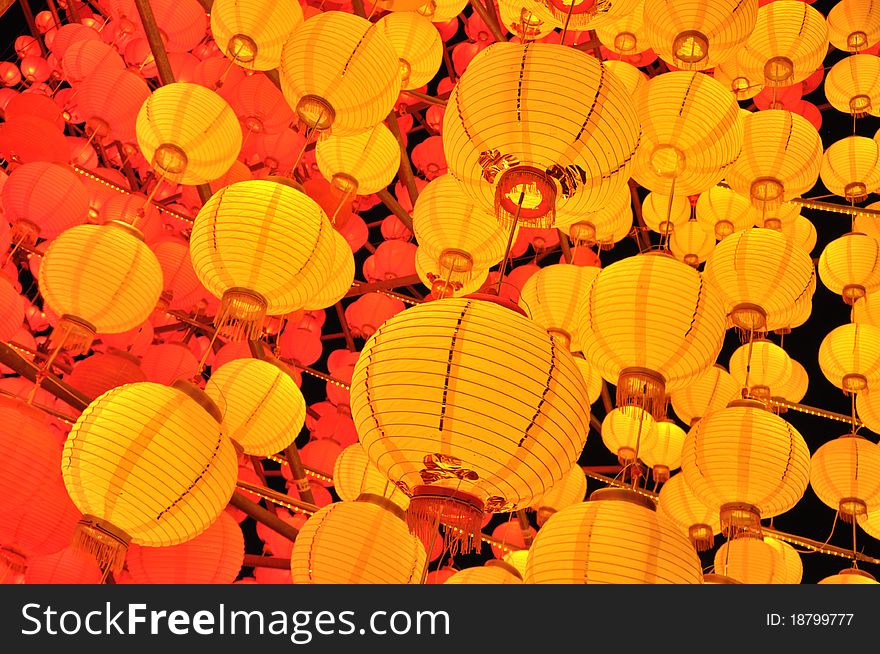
x=737 y=80
x=291 y=236
x=441 y=11
x=788 y=43
x=664 y=454
x=849 y=576
x=699 y=34
x=795 y=388
x=692 y=242
x=359 y=164
x=854 y=26
x=363 y=542
x=851 y=167
x=679 y=504
x=552 y=297
x=438 y=447
x=802 y=233
x=354 y=474
x=181 y=285
x=692 y=133
x=845 y=475
x=417 y=44
x=494 y=572
x=366 y=314
x=339 y=72
x=98 y=278
x=569 y=490
x=616 y=538
x=849 y=357
x=213 y=557
x=260 y=106
x=188 y=133
x=252 y=34
x=339 y=280
x=777 y=217
x=11 y=309
x=31 y=139
x=109 y=100
x=632 y=77
x=850 y=266
x=587 y=14
x=627 y=432
x=663 y=213
x=755 y=560
x=725 y=211
x=518 y=124
x=604 y=227
x=760 y=274
x=66 y=566
x=147 y=464
x=745 y=462
x=263 y=409
x=760 y=368
x=39 y=527
x=626 y=34
x=649 y=325
x=43 y=199
x=592 y=379
x=163 y=363
x=433 y=271
x=100 y=372
x=853 y=85
x=867 y=309
x=780 y=159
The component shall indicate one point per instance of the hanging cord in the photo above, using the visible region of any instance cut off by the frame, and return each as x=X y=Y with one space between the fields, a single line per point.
x=522 y=196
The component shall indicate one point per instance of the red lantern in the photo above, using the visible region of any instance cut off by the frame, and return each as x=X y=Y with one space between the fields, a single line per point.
x=509 y=533
x=34 y=69
x=164 y=363
x=135 y=341
x=365 y=314
x=320 y=455
x=300 y=345
x=428 y=157
x=274 y=543
x=355 y=232
x=100 y=372
x=63 y=567
x=31 y=139
x=69 y=34
x=44 y=199
x=10 y=75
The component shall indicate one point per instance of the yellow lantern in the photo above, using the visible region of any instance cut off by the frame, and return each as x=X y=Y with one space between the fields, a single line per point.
x=870 y=523
x=712 y=390
x=736 y=80
x=845 y=475
x=569 y=490
x=263 y=408
x=788 y=44
x=441 y=11
x=552 y=297
x=531 y=141
x=678 y=503
x=355 y=475
x=262 y=246
x=494 y=572
x=252 y=34
x=525 y=19
x=779 y=216
x=760 y=367
x=617 y=537
x=692 y=242
x=98 y=278
x=795 y=388
x=362 y=163
x=854 y=25
x=853 y=85
x=756 y=560
x=363 y=542
x=147 y=464
x=850 y=576
x=437 y=273
x=627 y=33
x=501 y=415
x=724 y=211
x=693 y=132
x=650 y=325
x=867 y=309
x=851 y=167
x=868 y=223
x=664 y=454
x=605 y=227
x=780 y=159
x=801 y=232
x=747 y=463
x=339 y=72
x=418 y=46
x=699 y=34
x=849 y=357
x=592 y=379
x=631 y=76
x=663 y=213
x=188 y=133
x=588 y=14
x=339 y=279
x=627 y=433
x=760 y=274
x=850 y=266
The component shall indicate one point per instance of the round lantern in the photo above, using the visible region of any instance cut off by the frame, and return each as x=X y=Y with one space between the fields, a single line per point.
x=616 y=538
x=849 y=357
x=494 y=572
x=163 y=363
x=83 y=57
x=632 y=77
x=649 y=325
x=418 y=46
x=252 y=34
x=692 y=242
x=434 y=272
x=795 y=388
x=340 y=277
x=262 y=246
x=664 y=454
x=188 y=133
x=788 y=44
x=213 y=557
x=477 y=357
x=100 y=372
x=592 y=379
x=109 y=100
x=627 y=433
x=65 y=566
x=850 y=266
x=263 y=409
x=339 y=72
x=98 y=278
x=261 y=108
x=780 y=159
x=853 y=85
x=867 y=309
x=849 y=576
x=181 y=285
x=693 y=132
x=761 y=368
x=605 y=227
x=760 y=274
x=626 y=34
x=359 y=164
x=845 y=475
x=851 y=167
x=678 y=503
x=569 y=490
x=756 y=560
x=801 y=232
x=745 y=462
x=364 y=542
x=853 y=25
x=147 y=464
x=354 y=475
x=724 y=211
x=699 y=34
x=586 y=14
x=663 y=213
x=552 y=297
x=11 y=309
x=531 y=140
x=736 y=80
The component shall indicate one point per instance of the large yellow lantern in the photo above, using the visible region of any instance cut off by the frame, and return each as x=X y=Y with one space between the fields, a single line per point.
x=761 y=368
x=147 y=464
x=854 y=25
x=853 y=85
x=361 y=163
x=849 y=357
x=845 y=475
x=252 y=33
x=724 y=211
x=500 y=417
x=605 y=227
x=261 y=246
x=850 y=576
x=710 y=391
x=188 y=133
x=678 y=503
x=664 y=454
x=438 y=273
x=531 y=140
x=354 y=475
x=569 y=490
x=99 y=279
x=699 y=34
x=339 y=72
x=756 y=560
x=851 y=167
x=663 y=213
x=418 y=46
x=617 y=537
x=651 y=324
x=850 y=266
x=627 y=433
x=692 y=242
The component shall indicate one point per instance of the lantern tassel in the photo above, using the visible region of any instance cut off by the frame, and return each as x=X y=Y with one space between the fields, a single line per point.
x=102 y=541
x=241 y=313
x=644 y=389
x=461 y=513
